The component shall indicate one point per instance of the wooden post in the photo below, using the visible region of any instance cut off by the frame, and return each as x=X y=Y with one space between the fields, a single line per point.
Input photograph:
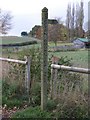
x=88 y=58
x=44 y=62
x=1 y=80
x=27 y=75
x=89 y=20
x=54 y=79
x=1 y=61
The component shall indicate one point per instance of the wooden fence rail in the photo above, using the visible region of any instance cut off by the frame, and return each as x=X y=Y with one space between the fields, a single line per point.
x=54 y=74
x=73 y=69
x=27 y=63
x=13 y=60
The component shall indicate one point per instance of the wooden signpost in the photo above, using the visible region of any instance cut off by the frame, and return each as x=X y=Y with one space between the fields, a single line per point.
x=44 y=61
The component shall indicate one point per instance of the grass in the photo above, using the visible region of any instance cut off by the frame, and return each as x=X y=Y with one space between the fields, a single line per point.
x=58 y=44
x=79 y=58
x=33 y=113
x=15 y=39
x=11 y=103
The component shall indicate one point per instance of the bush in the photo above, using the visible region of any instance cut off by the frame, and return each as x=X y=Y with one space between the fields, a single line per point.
x=24 y=33
x=32 y=112
x=12 y=102
x=35 y=55
x=11 y=95
x=12 y=90
x=51 y=105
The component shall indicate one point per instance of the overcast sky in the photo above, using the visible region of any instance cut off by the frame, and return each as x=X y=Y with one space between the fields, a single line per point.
x=27 y=13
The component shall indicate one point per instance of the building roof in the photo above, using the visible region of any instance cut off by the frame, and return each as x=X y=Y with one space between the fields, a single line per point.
x=84 y=39
x=52 y=21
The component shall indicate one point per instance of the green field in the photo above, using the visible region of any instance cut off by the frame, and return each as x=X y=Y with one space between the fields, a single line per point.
x=79 y=58
x=15 y=39
x=59 y=43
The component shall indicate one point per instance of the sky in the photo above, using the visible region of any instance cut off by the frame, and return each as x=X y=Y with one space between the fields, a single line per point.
x=27 y=13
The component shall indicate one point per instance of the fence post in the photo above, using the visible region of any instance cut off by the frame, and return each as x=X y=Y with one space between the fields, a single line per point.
x=27 y=76
x=44 y=62
x=54 y=79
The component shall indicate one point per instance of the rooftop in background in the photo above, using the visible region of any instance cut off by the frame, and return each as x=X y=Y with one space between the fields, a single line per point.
x=84 y=39
x=52 y=21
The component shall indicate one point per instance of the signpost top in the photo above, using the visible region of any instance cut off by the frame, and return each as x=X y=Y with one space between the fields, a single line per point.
x=44 y=9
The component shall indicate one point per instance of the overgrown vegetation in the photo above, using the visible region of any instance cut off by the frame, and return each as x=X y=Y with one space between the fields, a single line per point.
x=13 y=94
x=32 y=112
x=71 y=101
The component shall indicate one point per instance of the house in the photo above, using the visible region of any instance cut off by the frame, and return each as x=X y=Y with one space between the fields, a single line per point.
x=33 y=32
x=37 y=29
x=56 y=31
x=82 y=42
x=52 y=21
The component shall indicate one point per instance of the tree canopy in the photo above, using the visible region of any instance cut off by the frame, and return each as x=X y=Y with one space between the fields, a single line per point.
x=24 y=33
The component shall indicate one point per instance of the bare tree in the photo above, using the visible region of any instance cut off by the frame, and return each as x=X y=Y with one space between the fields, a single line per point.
x=55 y=31
x=5 y=22
x=68 y=20
x=79 y=19
x=73 y=22
x=88 y=24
